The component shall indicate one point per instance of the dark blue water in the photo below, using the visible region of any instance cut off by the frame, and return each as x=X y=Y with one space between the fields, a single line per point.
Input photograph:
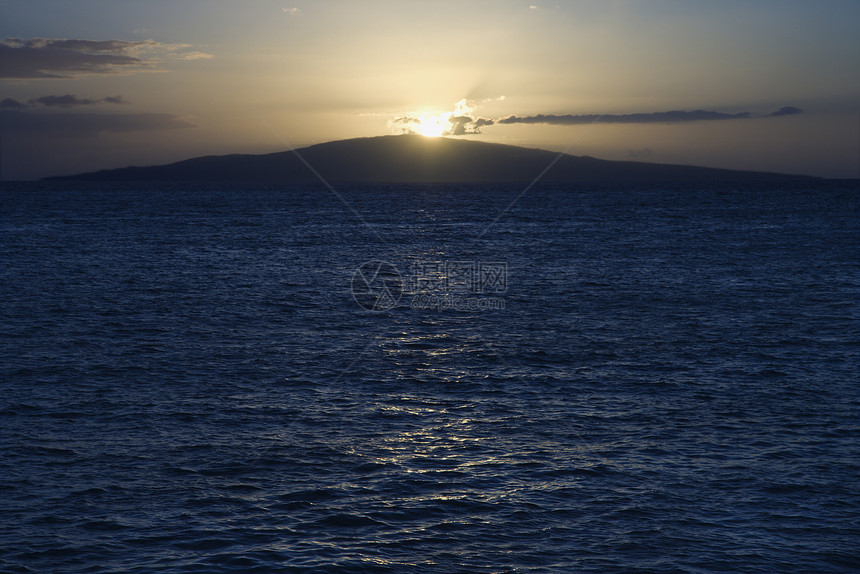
x=598 y=380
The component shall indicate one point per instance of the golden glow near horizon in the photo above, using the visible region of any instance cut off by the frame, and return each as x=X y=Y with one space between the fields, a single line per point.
x=432 y=126
x=435 y=124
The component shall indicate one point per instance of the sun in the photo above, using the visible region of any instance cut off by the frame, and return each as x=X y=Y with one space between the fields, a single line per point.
x=432 y=126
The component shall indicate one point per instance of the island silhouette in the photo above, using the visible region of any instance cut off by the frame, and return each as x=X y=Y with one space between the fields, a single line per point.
x=418 y=159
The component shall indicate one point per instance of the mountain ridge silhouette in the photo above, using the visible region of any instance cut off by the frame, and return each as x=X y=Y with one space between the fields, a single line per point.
x=417 y=159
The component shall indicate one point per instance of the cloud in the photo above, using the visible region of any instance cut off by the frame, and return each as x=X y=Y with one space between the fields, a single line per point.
x=291 y=11
x=62 y=58
x=10 y=104
x=457 y=123
x=70 y=100
x=462 y=120
x=76 y=124
x=464 y=107
x=195 y=56
x=460 y=125
x=785 y=111
x=66 y=101
x=675 y=116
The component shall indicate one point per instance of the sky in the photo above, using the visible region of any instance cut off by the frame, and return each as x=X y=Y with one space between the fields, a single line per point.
x=763 y=85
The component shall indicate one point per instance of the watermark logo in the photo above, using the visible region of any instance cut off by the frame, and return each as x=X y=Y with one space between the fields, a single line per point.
x=463 y=277
x=434 y=285
x=377 y=285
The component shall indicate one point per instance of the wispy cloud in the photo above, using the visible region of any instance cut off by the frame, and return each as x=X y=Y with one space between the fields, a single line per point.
x=63 y=58
x=65 y=101
x=462 y=120
x=11 y=104
x=671 y=117
x=195 y=56
x=75 y=124
x=70 y=100
x=785 y=111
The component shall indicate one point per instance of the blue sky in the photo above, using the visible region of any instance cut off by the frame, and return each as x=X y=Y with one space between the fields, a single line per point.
x=152 y=81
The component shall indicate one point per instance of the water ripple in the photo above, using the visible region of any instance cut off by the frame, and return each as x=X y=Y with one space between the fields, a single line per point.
x=188 y=385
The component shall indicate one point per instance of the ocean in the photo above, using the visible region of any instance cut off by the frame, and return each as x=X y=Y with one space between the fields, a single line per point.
x=429 y=378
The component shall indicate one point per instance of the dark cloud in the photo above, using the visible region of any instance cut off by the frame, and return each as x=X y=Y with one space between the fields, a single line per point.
x=10 y=104
x=467 y=125
x=461 y=125
x=406 y=124
x=102 y=46
x=675 y=116
x=63 y=101
x=785 y=111
x=41 y=58
x=75 y=124
x=70 y=100
x=61 y=58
